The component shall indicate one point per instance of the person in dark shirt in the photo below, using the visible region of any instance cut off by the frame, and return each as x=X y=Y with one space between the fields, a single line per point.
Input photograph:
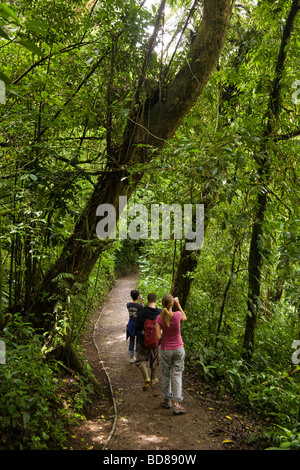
x=133 y=307
x=146 y=356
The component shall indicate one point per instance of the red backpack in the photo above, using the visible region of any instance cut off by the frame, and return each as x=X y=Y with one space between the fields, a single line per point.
x=150 y=340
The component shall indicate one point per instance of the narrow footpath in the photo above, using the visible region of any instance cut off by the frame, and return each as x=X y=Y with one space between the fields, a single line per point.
x=134 y=420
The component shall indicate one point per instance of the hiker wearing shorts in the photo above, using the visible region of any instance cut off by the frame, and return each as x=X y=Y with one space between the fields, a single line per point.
x=148 y=356
x=172 y=352
x=133 y=307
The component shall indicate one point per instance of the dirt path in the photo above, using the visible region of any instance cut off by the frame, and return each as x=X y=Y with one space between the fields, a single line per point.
x=140 y=423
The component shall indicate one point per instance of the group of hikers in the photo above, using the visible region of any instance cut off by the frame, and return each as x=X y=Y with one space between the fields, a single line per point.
x=155 y=340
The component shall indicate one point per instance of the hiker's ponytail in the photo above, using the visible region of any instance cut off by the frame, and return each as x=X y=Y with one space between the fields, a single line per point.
x=166 y=312
x=165 y=316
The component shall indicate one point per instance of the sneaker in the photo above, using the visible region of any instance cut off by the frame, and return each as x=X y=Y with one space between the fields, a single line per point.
x=178 y=409
x=166 y=403
x=146 y=384
x=132 y=360
x=154 y=381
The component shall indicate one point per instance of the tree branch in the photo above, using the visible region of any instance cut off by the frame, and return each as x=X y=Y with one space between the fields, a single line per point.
x=274 y=101
x=166 y=115
x=288 y=136
x=92 y=71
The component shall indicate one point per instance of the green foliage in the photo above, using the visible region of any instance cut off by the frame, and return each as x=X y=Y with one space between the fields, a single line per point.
x=56 y=105
x=31 y=412
x=283 y=439
x=155 y=268
x=74 y=305
x=126 y=253
x=39 y=400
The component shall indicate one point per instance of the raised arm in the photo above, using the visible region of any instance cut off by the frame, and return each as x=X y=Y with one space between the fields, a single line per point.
x=177 y=303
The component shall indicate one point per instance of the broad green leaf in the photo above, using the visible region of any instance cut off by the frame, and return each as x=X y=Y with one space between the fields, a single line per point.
x=12 y=92
x=9 y=11
x=31 y=47
x=5 y=78
x=285 y=445
x=34 y=25
x=28 y=175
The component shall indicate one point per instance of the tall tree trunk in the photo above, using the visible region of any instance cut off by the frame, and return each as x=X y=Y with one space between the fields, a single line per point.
x=4 y=318
x=256 y=245
x=155 y=122
x=183 y=279
x=233 y=271
x=254 y=275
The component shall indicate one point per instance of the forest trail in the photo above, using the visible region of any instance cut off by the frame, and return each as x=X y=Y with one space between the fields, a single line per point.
x=141 y=423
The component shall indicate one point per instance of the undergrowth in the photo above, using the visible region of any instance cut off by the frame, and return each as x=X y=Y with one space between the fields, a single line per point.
x=39 y=400
x=270 y=391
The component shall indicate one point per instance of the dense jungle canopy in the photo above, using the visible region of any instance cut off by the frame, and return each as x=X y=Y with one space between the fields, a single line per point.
x=171 y=102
